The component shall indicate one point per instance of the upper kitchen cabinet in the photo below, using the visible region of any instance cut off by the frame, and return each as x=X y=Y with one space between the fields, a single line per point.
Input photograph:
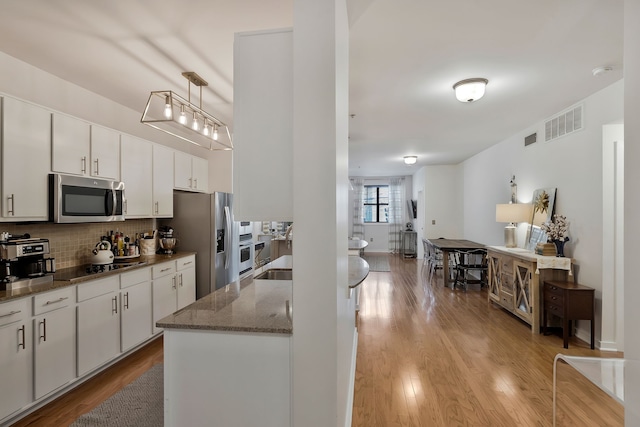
x=263 y=126
x=105 y=153
x=191 y=173
x=71 y=145
x=26 y=161
x=137 y=174
x=162 y=181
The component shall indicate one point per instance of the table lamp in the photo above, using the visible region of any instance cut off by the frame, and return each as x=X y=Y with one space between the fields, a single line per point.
x=512 y=213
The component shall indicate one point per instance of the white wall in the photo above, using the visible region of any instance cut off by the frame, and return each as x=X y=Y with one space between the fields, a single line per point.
x=32 y=84
x=324 y=317
x=572 y=164
x=632 y=208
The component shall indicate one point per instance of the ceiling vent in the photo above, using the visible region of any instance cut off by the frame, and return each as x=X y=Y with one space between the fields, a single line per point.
x=528 y=140
x=563 y=124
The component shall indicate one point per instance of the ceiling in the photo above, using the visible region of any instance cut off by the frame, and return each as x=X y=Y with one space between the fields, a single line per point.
x=405 y=57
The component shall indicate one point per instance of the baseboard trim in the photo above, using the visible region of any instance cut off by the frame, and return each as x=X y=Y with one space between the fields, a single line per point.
x=352 y=381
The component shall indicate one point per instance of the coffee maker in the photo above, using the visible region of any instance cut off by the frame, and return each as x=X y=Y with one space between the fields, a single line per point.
x=23 y=262
x=166 y=240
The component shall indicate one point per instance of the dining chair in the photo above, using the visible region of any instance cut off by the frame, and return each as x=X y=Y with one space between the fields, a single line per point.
x=470 y=267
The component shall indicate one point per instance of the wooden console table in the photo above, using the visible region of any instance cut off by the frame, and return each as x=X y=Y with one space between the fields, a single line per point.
x=569 y=301
x=515 y=276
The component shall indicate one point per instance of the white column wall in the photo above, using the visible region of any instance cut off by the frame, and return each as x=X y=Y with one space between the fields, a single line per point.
x=324 y=316
x=632 y=207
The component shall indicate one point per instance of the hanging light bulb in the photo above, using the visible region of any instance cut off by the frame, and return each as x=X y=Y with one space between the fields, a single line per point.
x=194 y=125
x=205 y=131
x=168 y=112
x=183 y=115
x=215 y=131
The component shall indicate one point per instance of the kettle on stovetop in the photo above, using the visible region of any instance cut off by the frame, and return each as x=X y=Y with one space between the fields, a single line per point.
x=102 y=253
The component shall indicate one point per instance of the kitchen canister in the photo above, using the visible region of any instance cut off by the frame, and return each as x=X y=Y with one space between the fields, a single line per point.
x=147 y=246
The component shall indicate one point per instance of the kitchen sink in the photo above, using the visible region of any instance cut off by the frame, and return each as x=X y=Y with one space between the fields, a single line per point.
x=275 y=274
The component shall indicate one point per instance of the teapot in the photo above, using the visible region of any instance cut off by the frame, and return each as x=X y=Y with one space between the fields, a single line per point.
x=102 y=253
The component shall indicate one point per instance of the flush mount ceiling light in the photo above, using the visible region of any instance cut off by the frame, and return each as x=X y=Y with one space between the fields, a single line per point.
x=410 y=160
x=171 y=113
x=470 y=90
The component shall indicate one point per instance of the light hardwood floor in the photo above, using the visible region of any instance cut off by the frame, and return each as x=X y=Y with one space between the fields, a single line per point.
x=427 y=356
x=430 y=356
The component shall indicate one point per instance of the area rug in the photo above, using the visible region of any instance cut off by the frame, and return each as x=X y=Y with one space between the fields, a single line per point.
x=139 y=404
x=377 y=262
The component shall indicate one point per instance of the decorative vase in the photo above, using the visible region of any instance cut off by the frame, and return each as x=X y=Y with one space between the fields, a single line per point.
x=560 y=246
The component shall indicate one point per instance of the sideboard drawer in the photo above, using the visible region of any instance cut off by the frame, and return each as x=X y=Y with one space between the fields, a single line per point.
x=506 y=283
x=553 y=299
x=506 y=300
x=554 y=309
x=552 y=289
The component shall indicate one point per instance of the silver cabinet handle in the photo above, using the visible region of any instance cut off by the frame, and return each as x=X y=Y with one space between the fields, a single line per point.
x=12 y=210
x=125 y=206
x=114 y=306
x=11 y=313
x=126 y=300
x=173 y=282
x=180 y=279
x=56 y=301
x=190 y=182
x=21 y=344
x=195 y=183
x=165 y=269
x=188 y=262
x=96 y=161
x=156 y=207
x=84 y=164
x=43 y=337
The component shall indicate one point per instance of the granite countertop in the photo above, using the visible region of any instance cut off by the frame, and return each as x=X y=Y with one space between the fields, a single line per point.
x=73 y=275
x=259 y=306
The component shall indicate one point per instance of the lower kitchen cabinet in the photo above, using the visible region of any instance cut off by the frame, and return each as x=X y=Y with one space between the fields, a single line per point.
x=54 y=341
x=16 y=356
x=186 y=290
x=174 y=287
x=135 y=311
x=98 y=323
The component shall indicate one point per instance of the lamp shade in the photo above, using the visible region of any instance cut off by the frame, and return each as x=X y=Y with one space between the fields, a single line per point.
x=513 y=212
x=470 y=90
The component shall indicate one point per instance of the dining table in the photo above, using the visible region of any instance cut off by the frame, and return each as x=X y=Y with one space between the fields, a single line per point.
x=446 y=246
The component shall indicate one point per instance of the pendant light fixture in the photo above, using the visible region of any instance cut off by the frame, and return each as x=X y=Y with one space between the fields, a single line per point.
x=470 y=90
x=169 y=112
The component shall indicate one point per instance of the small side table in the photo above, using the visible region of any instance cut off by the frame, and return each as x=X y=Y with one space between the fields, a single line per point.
x=569 y=301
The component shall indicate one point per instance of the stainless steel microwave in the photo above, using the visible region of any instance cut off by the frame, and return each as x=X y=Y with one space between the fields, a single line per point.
x=83 y=199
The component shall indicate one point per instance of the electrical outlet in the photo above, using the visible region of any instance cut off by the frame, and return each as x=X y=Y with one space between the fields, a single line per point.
x=433 y=222
x=371 y=239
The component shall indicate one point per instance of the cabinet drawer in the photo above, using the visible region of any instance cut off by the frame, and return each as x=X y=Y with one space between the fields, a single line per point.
x=134 y=277
x=186 y=262
x=48 y=301
x=550 y=289
x=506 y=300
x=99 y=287
x=507 y=264
x=506 y=283
x=554 y=299
x=163 y=269
x=14 y=311
x=554 y=309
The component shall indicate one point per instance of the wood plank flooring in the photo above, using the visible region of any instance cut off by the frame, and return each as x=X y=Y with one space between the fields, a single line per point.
x=430 y=356
x=427 y=356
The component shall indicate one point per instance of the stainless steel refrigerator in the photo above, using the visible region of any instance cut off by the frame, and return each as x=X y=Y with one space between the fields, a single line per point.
x=204 y=223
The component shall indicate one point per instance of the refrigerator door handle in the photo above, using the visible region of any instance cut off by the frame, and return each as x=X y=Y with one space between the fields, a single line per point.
x=227 y=236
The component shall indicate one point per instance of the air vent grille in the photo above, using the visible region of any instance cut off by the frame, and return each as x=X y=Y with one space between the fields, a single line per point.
x=564 y=123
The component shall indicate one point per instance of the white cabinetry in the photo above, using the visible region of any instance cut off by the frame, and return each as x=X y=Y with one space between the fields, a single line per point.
x=137 y=174
x=105 y=153
x=54 y=337
x=162 y=181
x=174 y=287
x=71 y=144
x=98 y=323
x=190 y=173
x=26 y=161
x=16 y=354
x=263 y=125
x=135 y=298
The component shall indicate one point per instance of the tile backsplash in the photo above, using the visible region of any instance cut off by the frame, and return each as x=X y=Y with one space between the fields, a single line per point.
x=71 y=244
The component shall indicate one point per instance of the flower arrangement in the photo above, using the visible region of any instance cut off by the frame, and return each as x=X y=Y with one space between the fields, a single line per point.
x=556 y=229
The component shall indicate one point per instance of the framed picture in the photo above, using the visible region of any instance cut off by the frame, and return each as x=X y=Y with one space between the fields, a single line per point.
x=543 y=201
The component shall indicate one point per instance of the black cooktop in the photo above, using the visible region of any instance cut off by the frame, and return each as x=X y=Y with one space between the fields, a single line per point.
x=82 y=271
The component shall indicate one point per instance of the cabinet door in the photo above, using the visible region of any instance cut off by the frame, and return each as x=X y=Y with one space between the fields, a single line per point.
x=71 y=145
x=136 y=173
x=105 y=153
x=164 y=298
x=494 y=264
x=16 y=356
x=98 y=332
x=263 y=99
x=135 y=314
x=186 y=287
x=26 y=129
x=523 y=293
x=200 y=173
x=162 y=181
x=182 y=171
x=55 y=349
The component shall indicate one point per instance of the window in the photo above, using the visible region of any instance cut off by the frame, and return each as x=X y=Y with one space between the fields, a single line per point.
x=376 y=203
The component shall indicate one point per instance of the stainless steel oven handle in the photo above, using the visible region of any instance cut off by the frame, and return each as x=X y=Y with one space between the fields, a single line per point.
x=227 y=217
x=115 y=201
